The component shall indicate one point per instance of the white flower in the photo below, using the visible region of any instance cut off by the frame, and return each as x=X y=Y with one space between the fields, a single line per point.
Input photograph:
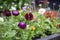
x=48 y=8
x=28 y=26
x=1 y=19
x=13 y=8
x=59 y=6
x=41 y=11
x=40 y=5
x=54 y=3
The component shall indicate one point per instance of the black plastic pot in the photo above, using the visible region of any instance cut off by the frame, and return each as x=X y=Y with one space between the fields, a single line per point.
x=51 y=37
x=37 y=37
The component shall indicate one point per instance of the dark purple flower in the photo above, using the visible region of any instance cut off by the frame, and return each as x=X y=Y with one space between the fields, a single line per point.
x=15 y=13
x=58 y=25
x=22 y=25
x=7 y=13
x=29 y=16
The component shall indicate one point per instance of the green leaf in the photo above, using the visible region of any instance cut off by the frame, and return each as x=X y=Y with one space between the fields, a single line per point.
x=10 y=34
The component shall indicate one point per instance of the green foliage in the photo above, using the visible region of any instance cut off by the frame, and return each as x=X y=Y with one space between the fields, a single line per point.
x=6 y=4
x=9 y=29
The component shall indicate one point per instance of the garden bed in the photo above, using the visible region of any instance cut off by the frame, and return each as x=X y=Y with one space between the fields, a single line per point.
x=29 y=26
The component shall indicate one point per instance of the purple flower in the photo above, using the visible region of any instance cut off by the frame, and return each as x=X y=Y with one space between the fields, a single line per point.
x=15 y=13
x=22 y=25
x=24 y=8
x=54 y=3
x=29 y=16
x=13 y=3
x=7 y=13
x=33 y=2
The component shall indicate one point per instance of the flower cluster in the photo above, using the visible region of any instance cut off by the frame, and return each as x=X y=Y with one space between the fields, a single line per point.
x=50 y=14
x=8 y=13
x=25 y=26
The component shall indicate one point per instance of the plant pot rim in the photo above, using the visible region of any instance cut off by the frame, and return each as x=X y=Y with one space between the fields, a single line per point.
x=50 y=37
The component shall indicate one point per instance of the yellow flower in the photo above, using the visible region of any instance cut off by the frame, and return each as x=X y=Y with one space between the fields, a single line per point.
x=33 y=28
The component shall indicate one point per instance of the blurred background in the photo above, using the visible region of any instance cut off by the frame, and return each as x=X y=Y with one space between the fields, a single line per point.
x=49 y=3
x=20 y=3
